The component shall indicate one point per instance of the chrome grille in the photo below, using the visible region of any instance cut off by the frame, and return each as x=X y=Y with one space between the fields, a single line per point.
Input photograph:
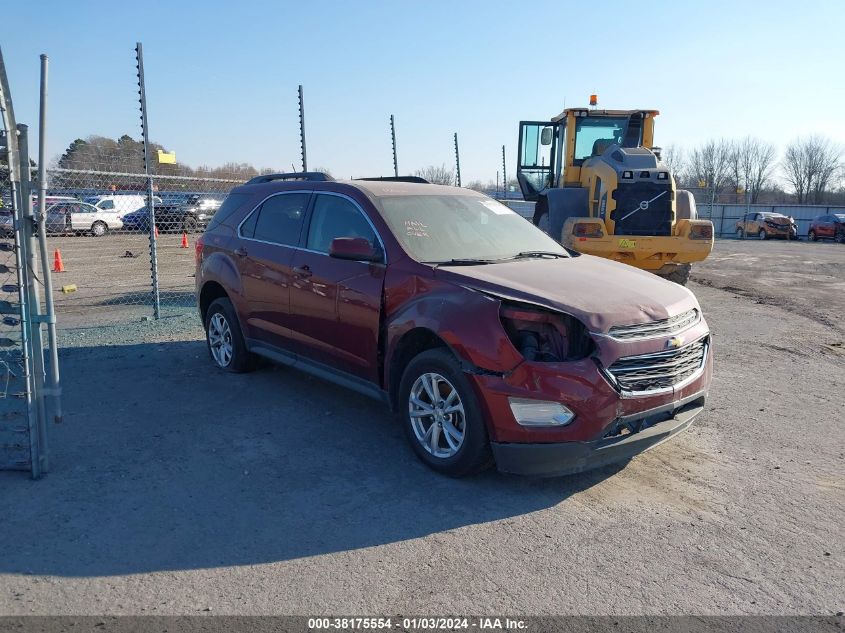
x=655 y=328
x=662 y=370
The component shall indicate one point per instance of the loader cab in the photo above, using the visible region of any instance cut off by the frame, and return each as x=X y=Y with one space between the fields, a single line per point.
x=551 y=153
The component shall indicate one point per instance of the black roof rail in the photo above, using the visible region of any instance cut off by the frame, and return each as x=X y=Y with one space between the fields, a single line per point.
x=416 y=179
x=314 y=176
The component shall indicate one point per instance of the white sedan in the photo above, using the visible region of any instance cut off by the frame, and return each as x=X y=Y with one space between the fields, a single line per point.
x=80 y=216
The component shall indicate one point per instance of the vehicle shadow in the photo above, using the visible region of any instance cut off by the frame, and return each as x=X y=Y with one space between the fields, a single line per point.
x=165 y=463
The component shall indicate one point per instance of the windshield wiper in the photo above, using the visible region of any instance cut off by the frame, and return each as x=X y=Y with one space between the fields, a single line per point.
x=525 y=254
x=461 y=262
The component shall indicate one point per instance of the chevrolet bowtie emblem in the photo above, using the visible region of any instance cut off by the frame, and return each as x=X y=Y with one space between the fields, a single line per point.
x=674 y=342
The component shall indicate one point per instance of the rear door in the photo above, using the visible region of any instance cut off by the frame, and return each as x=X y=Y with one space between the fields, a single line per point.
x=828 y=227
x=535 y=167
x=336 y=303
x=268 y=237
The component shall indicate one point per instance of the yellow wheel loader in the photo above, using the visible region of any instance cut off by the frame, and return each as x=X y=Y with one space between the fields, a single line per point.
x=601 y=188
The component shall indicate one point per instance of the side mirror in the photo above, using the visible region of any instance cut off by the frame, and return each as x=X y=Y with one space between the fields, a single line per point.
x=354 y=248
x=546 y=136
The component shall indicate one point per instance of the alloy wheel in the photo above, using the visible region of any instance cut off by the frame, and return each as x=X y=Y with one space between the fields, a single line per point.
x=220 y=339
x=437 y=415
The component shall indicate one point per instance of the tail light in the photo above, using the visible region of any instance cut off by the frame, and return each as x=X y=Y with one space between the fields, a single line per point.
x=198 y=249
x=587 y=229
x=701 y=231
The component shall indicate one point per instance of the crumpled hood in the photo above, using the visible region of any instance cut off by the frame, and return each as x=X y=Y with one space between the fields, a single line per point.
x=599 y=292
x=779 y=219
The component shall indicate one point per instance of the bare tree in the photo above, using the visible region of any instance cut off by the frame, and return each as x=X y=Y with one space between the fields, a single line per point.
x=675 y=157
x=709 y=165
x=750 y=162
x=442 y=175
x=811 y=166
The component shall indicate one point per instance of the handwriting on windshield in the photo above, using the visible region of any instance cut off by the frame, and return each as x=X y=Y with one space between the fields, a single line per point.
x=415 y=228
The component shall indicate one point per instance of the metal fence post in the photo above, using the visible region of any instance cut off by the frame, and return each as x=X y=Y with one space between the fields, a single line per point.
x=142 y=94
x=302 y=129
x=504 y=174
x=47 y=278
x=457 y=161
x=33 y=300
x=393 y=141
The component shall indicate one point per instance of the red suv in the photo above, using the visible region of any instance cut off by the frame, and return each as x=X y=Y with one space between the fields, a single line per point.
x=831 y=227
x=491 y=341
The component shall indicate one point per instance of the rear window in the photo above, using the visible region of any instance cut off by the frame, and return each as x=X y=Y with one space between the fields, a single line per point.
x=232 y=203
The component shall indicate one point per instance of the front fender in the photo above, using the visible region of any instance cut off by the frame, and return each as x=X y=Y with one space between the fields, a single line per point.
x=467 y=320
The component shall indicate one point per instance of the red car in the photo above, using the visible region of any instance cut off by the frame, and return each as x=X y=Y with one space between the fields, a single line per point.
x=828 y=227
x=492 y=342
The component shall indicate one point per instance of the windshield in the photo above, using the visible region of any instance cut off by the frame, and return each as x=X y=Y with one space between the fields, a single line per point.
x=839 y=216
x=593 y=135
x=465 y=227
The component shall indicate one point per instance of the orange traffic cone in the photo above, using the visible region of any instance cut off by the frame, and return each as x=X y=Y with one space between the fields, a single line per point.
x=184 y=241
x=58 y=264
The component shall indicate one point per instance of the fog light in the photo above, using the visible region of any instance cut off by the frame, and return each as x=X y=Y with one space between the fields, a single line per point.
x=540 y=412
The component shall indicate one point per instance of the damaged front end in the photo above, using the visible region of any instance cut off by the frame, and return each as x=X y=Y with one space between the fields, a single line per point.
x=545 y=336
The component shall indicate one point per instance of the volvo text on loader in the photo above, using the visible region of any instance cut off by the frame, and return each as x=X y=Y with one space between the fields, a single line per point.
x=601 y=188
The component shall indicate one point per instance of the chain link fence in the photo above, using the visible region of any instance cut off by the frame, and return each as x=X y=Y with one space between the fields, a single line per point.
x=100 y=233
x=14 y=383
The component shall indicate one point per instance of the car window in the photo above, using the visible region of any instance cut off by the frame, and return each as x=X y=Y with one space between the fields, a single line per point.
x=336 y=217
x=232 y=203
x=106 y=205
x=279 y=219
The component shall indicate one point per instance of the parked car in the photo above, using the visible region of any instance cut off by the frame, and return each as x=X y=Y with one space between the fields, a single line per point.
x=490 y=340
x=80 y=217
x=190 y=217
x=121 y=203
x=828 y=227
x=67 y=216
x=765 y=225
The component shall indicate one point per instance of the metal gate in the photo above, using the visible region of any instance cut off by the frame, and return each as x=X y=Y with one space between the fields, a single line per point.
x=25 y=385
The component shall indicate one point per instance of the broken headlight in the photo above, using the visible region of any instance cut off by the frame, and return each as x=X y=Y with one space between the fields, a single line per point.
x=545 y=336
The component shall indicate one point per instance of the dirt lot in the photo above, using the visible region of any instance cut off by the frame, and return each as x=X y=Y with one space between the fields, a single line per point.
x=179 y=489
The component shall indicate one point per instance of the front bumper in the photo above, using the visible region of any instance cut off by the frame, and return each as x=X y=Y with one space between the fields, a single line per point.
x=566 y=458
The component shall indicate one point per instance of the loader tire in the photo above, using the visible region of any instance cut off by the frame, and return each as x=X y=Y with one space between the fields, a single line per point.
x=680 y=275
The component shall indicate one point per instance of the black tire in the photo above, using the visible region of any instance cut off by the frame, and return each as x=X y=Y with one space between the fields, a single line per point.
x=840 y=237
x=763 y=235
x=812 y=236
x=680 y=275
x=189 y=224
x=473 y=455
x=740 y=234
x=99 y=229
x=241 y=359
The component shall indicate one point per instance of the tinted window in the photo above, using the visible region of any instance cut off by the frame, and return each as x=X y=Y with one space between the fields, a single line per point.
x=280 y=218
x=336 y=217
x=232 y=203
x=106 y=205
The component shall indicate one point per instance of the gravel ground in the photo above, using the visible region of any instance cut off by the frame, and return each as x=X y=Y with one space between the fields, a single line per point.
x=177 y=489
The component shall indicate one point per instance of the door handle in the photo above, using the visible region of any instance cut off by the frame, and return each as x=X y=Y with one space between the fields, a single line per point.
x=241 y=252
x=302 y=271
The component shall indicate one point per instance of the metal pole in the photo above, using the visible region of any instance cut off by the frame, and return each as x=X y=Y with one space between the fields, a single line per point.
x=302 y=129
x=142 y=98
x=32 y=293
x=393 y=141
x=457 y=161
x=50 y=316
x=504 y=174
